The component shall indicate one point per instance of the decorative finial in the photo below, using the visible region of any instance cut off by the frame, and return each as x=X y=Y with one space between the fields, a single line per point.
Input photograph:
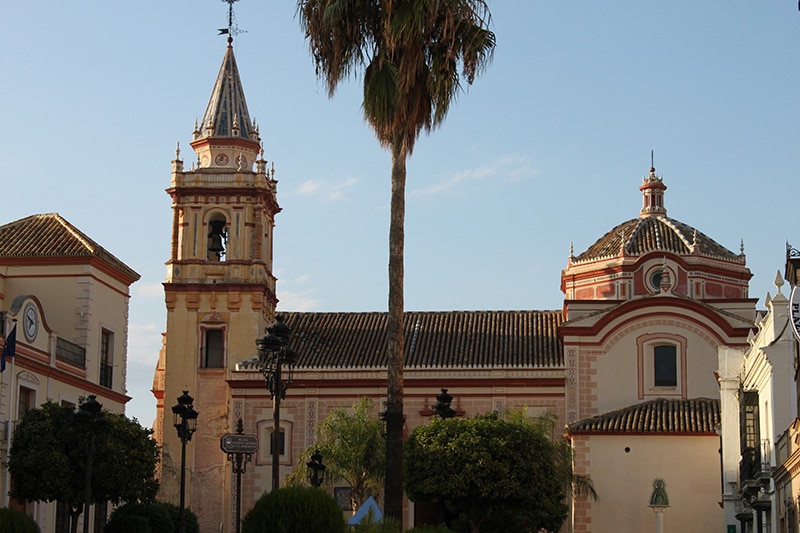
x=778 y=281
x=741 y=247
x=178 y=150
x=652 y=164
x=232 y=29
x=571 y=250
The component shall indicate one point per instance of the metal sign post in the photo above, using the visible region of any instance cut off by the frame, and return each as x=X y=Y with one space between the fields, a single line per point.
x=240 y=449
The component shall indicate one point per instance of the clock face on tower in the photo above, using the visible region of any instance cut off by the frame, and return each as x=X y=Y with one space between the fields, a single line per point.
x=30 y=322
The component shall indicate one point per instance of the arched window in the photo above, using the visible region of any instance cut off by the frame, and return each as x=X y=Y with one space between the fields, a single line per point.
x=661 y=365
x=217 y=237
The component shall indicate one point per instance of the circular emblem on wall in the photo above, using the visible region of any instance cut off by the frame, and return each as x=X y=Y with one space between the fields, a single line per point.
x=30 y=322
x=221 y=160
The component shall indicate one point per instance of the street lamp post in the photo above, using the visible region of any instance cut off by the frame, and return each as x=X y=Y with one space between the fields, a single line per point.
x=185 y=422
x=316 y=470
x=442 y=405
x=273 y=354
x=89 y=416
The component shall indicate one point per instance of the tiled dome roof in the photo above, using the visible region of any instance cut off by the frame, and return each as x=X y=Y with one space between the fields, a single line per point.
x=647 y=234
x=654 y=231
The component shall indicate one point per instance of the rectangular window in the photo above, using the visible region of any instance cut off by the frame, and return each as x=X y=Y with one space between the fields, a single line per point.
x=213 y=348
x=751 y=434
x=665 y=365
x=281 y=442
x=106 y=358
x=27 y=400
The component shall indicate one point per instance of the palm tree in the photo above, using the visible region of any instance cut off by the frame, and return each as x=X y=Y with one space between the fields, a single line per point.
x=413 y=54
x=350 y=441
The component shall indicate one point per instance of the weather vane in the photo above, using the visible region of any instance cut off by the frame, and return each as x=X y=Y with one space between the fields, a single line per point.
x=232 y=29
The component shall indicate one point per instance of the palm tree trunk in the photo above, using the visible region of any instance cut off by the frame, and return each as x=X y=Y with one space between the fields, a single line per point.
x=394 y=389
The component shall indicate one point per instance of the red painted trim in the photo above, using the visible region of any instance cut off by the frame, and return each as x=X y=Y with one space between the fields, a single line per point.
x=631 y=308
x=23 y=362
x=571 y=434
x=70 y=261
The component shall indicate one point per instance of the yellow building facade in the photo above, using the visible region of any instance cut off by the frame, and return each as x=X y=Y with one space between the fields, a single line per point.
x=68 y=299
x=646 y=309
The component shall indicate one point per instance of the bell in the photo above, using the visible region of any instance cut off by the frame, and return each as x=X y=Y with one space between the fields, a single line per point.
x=216 y=244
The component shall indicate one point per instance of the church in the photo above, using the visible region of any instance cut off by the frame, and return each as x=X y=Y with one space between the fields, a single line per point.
x=627 y=366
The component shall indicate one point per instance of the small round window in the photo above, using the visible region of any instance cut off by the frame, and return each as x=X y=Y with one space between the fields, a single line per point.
x=655 y=279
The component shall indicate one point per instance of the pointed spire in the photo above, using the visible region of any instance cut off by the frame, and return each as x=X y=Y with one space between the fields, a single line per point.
x=227 y=112
x=652 y=193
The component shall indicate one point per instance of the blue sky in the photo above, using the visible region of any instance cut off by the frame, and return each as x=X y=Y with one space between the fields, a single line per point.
x=547 y=148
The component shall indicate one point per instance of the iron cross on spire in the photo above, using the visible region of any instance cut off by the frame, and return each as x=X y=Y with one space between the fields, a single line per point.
x=232 y=29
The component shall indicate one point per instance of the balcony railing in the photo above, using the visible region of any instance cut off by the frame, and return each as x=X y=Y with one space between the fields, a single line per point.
x=70 y=352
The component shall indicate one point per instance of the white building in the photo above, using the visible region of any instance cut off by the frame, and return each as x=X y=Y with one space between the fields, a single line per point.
x=68 y=298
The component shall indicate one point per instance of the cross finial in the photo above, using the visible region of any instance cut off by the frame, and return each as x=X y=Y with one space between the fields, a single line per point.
x=232 y=29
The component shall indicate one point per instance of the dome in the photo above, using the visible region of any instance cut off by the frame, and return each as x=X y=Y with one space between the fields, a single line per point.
x=643 y=235
x=654 y=231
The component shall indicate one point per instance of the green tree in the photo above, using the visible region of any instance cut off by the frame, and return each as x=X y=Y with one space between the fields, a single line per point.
x=47 y=460
x=353 y=449
x=572 y=483
x=500 y=475
x=413 y=54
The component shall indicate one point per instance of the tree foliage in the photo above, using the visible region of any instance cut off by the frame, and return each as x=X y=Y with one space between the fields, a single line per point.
x=47 y=460
x=501 y=475
x=413 y=54
x=352 y=448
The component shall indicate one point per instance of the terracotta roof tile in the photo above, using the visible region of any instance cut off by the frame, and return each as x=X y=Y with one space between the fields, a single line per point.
x=49 y=235
x=655 y=234
x=485 y=339
x=698 y=415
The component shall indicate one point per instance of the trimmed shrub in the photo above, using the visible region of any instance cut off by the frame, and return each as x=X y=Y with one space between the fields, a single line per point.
x=430 y=529
x=295 y=510
x=128 y=524
x=156 y=517
x=17 y=521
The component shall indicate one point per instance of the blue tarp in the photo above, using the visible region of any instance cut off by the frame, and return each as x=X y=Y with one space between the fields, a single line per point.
x=362 y=512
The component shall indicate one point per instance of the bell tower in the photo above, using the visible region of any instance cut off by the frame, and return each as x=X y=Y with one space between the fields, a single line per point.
x=219 y=288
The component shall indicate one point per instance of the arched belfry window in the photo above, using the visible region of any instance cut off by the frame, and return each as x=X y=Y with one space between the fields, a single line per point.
x=217 y=237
